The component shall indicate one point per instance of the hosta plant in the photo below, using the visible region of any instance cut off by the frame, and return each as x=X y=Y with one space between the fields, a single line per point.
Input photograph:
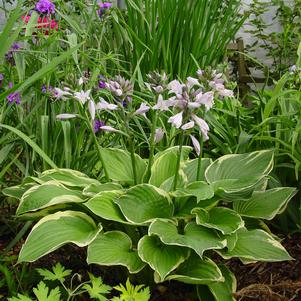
x=172 y=230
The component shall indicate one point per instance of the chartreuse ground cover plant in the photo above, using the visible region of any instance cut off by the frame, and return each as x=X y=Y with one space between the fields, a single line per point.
x=70 y=285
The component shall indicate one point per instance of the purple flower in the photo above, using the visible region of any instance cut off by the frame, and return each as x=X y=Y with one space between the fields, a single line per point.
x=102 y=84
x=14 y=97
x=45 y=7
x=97 y=125
x=1 y=79
x=10 y=54
x=103 y=8
x=44 y=89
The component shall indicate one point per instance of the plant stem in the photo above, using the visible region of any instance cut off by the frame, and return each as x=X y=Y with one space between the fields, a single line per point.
x=98 y=148
x=198 y=175
x=132 y=151
x=152 y=145
x=178 y=161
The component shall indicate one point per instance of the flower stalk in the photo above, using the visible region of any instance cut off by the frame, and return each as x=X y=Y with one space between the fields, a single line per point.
x=181 y=138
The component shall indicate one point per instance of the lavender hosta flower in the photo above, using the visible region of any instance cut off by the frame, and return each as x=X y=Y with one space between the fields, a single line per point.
x=14 y=98
x=159 y=134
x=92 y=109
x=175 y=87
x=120 y=87
x=164 y=105
x=104 y=105
x=156 y=82
x=144 y=108
x=66 y=116
x=45 y=7
x=203 y=126
x=176 y=120
x=187 y=126
x=82 y=96
x=196 y=145
x=61 y=94
x=206 y=99
x=191 y=82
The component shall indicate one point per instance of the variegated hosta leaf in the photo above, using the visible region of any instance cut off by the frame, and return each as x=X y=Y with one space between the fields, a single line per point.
x=67 y=177
x=197 y=271
x=164 y=166
x=265 y=204
x=93 y=189
x=222 y=219
x=56 y=230
x=114 y=248
x=201 y=190
x=119 y=165
x=161 y=258
x=46 y=195
x=235 y=176
x=103 y=205
x=222 y=291
x=143 y=203
x=195 y=237
x=191 y=167
x=18 y=190
x=256 y=245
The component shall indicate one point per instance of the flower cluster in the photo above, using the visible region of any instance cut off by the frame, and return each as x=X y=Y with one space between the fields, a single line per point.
x=44 y=22
x=157 y=82
x=45 y=7
x=121 y=88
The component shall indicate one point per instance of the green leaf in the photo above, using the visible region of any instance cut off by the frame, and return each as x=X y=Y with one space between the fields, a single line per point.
x=58 y=273
x=161 y=258
x=43 y=293
x=143 y=203
x=56 y=230
x=224 y=291
x=97 y=289
x=256 y=245
x=114 y=248
x=131 y=292
x=194 y=236
x=93 y=189
x=197 y=271
x=30 y=142
x=68 y=177
x=235 y=176
x=103 y=205
x=20 y=298
x=201 y=190
x=191 y=169
x=265 y=204
x=119 y=165
x=164 y=165
x=46 y=195
x=222 y=219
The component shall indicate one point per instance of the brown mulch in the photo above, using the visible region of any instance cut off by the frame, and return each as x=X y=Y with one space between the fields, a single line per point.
x=279 y=281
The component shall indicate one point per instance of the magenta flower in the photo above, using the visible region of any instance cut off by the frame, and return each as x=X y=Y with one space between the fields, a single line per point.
x=45 y=7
